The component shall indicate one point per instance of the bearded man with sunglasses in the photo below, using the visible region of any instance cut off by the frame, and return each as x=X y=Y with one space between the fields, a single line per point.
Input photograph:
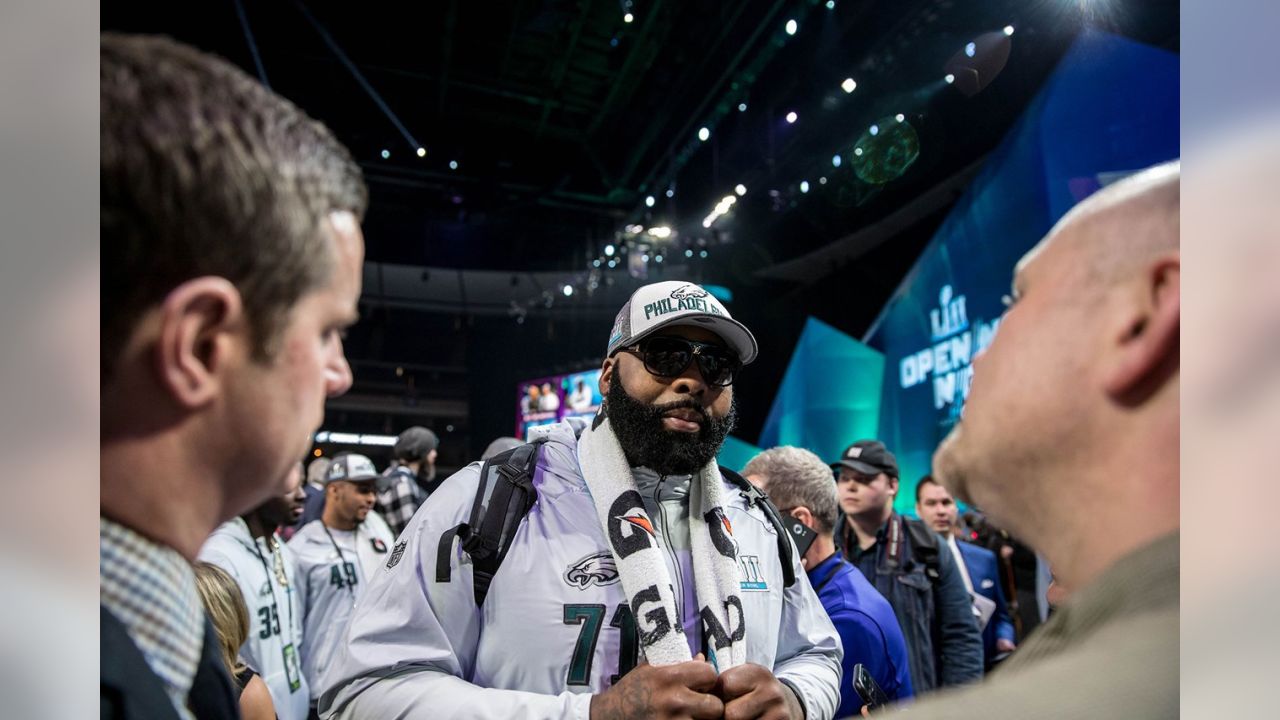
x=642 y=582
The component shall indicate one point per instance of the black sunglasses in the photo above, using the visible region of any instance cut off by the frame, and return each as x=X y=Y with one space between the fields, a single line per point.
x=671 y=356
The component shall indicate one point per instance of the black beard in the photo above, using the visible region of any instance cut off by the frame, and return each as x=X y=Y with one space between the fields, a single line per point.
x=646 y=443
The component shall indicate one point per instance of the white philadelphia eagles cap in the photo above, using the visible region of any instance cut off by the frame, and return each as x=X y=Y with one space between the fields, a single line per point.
x=676 y=302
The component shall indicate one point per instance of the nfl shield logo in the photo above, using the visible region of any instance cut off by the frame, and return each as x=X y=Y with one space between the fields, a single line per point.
x=396 y=554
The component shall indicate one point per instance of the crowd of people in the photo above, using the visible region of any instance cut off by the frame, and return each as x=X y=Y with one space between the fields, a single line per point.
x=607 y=568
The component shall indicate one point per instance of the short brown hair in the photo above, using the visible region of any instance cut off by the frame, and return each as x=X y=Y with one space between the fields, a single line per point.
x=206 y=172
x=225 y=607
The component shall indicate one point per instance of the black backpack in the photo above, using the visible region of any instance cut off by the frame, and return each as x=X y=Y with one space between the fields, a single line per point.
x=504 y=496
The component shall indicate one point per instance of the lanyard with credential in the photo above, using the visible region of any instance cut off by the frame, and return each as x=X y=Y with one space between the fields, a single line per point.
x=342 y=558
x=288 y=652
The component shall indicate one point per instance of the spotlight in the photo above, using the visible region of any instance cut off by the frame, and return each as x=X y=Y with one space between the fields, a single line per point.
x=453 y=164
x=900 y=117
x=740 y=189
x=792 y=117
x=835 y=160
x=857 y=151
x=386 y=154
x=609 y=250
x=613 y=263
x=671 y=193
x=688 y=253
x=742 y=107
x=971 y=49
x=822 y=180
x=831 y=4
x=949 y=78
x=804 y=186
x=648 y=201
x=645 y=257
x=849 y=85
x=422 y=152
x=704 y=134
x=628 y=18
x=702 y=254
x=792 y=27
x=595 y=263
x=1008 y=30
x=875 y=130
x=568 y=291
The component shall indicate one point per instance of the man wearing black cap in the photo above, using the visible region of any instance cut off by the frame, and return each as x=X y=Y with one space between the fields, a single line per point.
x=411 y=477
x=901 y=557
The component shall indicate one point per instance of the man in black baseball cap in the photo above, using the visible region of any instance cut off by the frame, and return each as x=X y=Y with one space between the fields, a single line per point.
x=901 y=557
x=411 y=477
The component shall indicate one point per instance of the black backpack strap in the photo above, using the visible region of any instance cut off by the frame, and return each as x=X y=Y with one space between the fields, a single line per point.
x=924 y=547
x=504 y=496
x=756 y=496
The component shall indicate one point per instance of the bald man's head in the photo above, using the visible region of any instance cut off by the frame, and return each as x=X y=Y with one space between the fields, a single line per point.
x=1122 y=226
x=1082 y=373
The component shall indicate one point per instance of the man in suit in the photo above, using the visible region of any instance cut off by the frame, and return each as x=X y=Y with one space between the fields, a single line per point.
x=977 y=566
x=234 y=263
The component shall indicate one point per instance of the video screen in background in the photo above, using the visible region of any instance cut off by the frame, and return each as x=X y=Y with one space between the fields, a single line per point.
x=548 y=400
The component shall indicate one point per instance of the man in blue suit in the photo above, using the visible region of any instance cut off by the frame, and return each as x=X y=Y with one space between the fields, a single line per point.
x=978 y=565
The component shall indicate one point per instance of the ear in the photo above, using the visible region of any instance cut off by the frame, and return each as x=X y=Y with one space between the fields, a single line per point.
x=804 y=516
x=431 y=457
x=200 y=322
x=1146 y=344
x=606 y=374
x=893 y=485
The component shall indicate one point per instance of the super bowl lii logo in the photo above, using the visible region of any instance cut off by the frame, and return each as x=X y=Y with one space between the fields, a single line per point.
x=947 y=362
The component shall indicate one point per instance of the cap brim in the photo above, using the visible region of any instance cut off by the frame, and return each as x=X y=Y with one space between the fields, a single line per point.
x=734 y=333
x=858 y=467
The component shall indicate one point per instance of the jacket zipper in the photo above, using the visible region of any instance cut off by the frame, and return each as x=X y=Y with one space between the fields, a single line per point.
x=675 y=561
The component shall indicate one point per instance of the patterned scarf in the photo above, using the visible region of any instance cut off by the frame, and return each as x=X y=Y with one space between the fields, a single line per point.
x=640 y=562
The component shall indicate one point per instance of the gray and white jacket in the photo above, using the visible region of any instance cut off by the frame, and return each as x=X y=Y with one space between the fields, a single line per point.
x=555 y=627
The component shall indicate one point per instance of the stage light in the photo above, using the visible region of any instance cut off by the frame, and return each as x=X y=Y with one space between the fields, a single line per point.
x=949 y=78
x=386 y=154
x=628 y=18
x=644 y=257
x=422 y=152
x=657 y=258
x=1008 y=30
x=661 y=232
x=742 y=107
x=608 y=251
x=804 y=186
x=740 y=189
x=704 y=134
x=702 y=254
x=831 y=4
x=849 y=85
x=649 y=201
x=875 y=130
x=613 y=263
x=453 y=164
x=971 y=49
x=595 y=263
x=835 y=160
x=792 y=27
x=792 y=117
x=671 y=193
x=568 y=291
x=857 y=151
x=688 y=253
x=822 y=180
x=899 y=117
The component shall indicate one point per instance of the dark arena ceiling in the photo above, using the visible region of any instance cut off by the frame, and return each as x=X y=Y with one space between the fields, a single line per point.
x=547 y=125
